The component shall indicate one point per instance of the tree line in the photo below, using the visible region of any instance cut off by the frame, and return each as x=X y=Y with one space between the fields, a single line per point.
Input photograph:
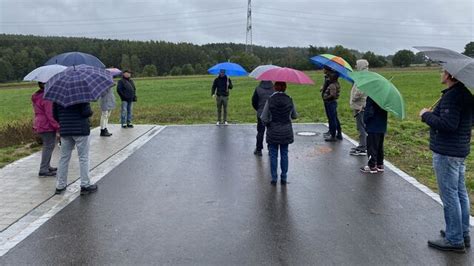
x=19 y=54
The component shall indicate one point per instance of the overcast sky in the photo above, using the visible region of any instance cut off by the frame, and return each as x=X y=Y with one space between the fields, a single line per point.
x=382 y=26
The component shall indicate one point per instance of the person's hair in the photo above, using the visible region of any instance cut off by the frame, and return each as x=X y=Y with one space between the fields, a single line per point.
x=41 y=85
x=450 y=77
x=333 y=76
x=280 y=86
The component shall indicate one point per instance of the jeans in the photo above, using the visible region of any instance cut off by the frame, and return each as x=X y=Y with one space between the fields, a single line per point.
x=104 y=119
x=334 y=124
x=361 y=128
x=260 y=133
x=222 y=101
x=452 y=189
x=375 y=149
x=127 y=113
x=273 y=151
x=49 y=142
x=67 y=145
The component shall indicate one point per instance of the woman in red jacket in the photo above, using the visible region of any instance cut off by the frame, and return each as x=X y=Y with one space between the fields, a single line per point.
x=47 y=128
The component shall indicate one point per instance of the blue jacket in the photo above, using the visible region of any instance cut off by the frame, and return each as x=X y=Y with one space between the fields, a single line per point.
x=375 y=118
x=73 y=120
x=451 y=122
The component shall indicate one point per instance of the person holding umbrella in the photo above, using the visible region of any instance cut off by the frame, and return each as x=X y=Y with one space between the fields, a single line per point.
x=330 y=97
x=450 y=125
x=450 y=139
x=46 y=126
x=277 y=114
x=220 y=91
x=72 y=91
x=127 y=92
x=260 y=96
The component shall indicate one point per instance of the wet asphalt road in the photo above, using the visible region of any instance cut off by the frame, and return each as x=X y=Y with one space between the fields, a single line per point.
x=197 y=195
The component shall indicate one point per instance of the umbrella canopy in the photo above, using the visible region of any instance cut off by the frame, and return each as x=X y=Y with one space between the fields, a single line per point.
x=381 y=90
x=231 y=69
x=44 y=73
x=260 y=69
x=78 y=84
x=458 y=65
x=285 y=74
x=75 y=59
x=336 y=63
x=114 y=71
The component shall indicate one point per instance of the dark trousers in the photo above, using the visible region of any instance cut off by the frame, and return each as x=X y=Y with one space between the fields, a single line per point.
x=260 y=133
x=334 y=124
x=222 y=102
x=49 y=142
x=375 y=148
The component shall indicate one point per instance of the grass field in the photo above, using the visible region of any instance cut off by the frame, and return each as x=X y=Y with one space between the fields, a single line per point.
x=187 y=100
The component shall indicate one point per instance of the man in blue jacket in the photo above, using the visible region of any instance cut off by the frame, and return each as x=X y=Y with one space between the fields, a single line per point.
x=375 y=119
x=260 y=96
x=74 y=130
x=450 y=140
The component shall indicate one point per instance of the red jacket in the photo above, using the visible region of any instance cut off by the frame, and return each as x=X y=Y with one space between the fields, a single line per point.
x=44 y=120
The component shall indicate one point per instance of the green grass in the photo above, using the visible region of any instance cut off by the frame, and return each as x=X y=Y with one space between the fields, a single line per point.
x=187 y=100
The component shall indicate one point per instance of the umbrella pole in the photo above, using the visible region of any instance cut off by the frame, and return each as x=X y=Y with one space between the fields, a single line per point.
x=436 y=103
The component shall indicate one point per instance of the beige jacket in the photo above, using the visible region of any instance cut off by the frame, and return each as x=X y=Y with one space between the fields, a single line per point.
x=358 y=98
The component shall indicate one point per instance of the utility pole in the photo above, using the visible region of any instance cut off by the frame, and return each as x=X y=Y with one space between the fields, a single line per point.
x=248 y=37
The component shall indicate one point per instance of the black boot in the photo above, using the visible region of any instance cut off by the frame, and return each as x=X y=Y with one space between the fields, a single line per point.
x=104 y=133
x=107 y=132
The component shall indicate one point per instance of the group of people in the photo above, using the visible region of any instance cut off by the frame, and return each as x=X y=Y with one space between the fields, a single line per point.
x=450 y=122
x=70 y=127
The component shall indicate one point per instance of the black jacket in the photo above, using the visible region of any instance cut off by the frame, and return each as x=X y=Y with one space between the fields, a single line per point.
x=375 y=118
x=73 y=120
x=260 y=96
x=220 y=86
x=451 y=122
x=126 y=90
x=277 y=115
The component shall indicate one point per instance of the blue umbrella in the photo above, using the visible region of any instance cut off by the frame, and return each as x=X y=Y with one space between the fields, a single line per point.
x=231 y=69
x=75 y=59
x=321 y=61
x=78 y=84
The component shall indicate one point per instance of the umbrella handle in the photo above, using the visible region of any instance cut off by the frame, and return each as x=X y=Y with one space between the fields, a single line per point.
x=434 y=104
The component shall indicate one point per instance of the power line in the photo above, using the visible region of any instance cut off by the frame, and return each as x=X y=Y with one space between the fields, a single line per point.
x=126 y=19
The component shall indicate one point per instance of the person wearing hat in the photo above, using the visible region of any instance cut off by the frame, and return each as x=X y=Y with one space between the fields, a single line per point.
x=450 y=140
x=127 y=92
x=220 y=91
x=357 y=104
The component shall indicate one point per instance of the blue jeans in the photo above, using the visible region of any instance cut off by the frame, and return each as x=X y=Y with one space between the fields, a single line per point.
x=273 y=151
x=334 y=124
x=452 y=189
x=127 y=113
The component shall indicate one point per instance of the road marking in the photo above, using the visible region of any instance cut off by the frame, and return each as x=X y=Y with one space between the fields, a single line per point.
x=24 y=227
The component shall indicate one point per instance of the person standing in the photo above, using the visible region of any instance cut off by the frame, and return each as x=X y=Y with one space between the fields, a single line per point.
x=74 y=130
x=260 y=96
x=375 y=119
x=127 y=92
x=330 y=96
x=323 y=89
x=220 y=91
x=277 y=115
x=46 y=126
x=357 y=104
x=450 y=139
x=107 y=104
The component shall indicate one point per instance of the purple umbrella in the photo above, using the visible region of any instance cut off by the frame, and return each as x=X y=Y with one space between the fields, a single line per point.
x=78 y=84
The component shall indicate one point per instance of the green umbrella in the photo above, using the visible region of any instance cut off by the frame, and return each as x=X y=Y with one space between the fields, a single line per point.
x=381 y=90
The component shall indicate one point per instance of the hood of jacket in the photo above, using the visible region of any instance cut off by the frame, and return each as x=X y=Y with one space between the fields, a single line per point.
x=266 y=84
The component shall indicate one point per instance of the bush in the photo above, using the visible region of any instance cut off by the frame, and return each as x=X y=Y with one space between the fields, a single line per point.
x=150 y=71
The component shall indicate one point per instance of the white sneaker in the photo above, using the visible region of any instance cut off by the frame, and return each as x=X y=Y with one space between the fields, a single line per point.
x=218 y=123
x=225 y=123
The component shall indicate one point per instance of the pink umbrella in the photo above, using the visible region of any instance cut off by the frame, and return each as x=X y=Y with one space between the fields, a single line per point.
x=286 y=74
x=114 y=71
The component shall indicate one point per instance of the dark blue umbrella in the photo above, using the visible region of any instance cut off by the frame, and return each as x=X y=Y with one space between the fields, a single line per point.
x=231 y=69
x=75 y=59
x=78 y=84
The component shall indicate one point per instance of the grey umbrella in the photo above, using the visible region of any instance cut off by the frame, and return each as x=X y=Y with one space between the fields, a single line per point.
x=458 y=65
